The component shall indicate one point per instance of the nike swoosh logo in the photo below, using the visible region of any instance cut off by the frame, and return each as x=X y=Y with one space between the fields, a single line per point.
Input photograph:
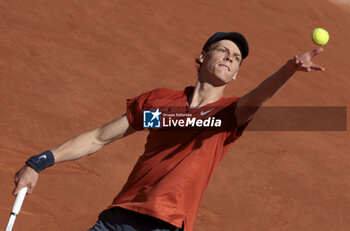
x=41 y=157
x=206 y=112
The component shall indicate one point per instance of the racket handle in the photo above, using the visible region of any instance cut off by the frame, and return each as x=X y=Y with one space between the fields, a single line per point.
x=19 y=200
x=16 y=207
x=11 y=222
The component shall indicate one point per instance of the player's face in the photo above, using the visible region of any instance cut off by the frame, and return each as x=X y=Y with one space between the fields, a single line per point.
x=222 y=61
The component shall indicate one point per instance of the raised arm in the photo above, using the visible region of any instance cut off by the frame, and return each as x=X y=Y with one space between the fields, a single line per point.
x=77 y=147
x=252 y=101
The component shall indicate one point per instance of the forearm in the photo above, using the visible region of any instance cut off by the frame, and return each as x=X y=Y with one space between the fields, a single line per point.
x=252 y=101
x=91 y=141
x=270 y=86
x=77 y=147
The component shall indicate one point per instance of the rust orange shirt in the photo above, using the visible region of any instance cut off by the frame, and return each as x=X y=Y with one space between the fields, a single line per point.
x=169 y=179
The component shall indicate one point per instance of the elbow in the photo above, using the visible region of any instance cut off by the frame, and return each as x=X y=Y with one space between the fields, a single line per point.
x=99 y=138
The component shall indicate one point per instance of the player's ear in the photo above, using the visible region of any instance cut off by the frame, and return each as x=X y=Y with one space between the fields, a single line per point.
x=201 y=57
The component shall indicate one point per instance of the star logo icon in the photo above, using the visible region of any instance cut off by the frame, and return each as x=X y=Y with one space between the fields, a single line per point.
x=156 y=114
x=151 y=119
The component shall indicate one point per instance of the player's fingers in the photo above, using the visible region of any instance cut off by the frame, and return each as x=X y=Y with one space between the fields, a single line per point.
x=17 y=188
x=316 y=51
x=15 y=179
x=15 y=191
x=306 y=69
x=21 y=185
x=317 y=68
x=30 y=186
x=30 y=190
x=296 y=60
x=300 y=65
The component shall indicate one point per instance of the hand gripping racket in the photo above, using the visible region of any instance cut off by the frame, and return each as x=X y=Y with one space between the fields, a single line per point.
x=16 y=207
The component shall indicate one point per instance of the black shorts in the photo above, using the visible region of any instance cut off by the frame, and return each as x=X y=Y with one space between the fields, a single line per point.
x=119 y=219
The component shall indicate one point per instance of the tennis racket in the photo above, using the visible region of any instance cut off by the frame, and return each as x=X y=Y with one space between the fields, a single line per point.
x=16 y=207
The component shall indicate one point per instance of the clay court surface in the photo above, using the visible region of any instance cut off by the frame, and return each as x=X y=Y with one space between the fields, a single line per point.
x=69 y=66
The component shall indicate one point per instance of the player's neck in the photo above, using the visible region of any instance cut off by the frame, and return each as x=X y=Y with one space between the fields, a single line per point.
x=205 y=93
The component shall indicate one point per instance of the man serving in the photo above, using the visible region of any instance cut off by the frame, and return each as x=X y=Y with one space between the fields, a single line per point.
x=165 y=187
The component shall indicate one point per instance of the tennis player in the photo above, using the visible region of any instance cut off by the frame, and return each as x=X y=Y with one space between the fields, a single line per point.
x=198 y=125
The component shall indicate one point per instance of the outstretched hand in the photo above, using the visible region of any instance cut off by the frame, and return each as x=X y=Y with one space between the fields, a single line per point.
x=303 y=62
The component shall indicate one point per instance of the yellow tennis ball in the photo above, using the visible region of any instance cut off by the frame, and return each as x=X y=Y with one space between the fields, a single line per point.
x=320 y=36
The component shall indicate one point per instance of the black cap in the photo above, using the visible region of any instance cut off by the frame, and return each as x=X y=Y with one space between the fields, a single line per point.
x=235 y=37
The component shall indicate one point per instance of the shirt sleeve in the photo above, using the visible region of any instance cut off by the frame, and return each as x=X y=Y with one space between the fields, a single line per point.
x=134 y=110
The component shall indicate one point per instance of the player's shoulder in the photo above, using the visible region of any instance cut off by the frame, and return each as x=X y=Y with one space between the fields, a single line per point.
x=158 y=94
x=164 y=93
x=163 y=96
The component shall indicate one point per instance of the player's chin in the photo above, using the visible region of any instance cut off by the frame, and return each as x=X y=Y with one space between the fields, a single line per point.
x=225 y=76
x=221 y=80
